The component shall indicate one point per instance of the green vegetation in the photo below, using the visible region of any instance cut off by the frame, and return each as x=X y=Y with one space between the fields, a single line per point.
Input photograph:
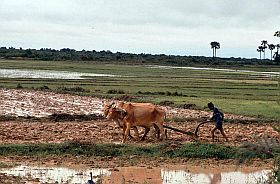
x=234 y=92
x=191 y=150
x=6 y=165
x=67 y=54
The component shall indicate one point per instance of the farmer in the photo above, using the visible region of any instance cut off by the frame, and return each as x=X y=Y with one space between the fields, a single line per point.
x=218 y=117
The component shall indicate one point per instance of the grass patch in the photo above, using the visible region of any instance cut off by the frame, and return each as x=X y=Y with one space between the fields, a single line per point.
x=198 y=150
x=6 y=165
x=191 y=150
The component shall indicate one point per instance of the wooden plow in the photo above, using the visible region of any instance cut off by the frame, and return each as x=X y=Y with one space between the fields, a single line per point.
x=187 y=132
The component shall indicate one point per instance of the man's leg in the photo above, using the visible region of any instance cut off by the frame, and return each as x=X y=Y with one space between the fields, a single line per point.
x=223 y=133
x=213 y=132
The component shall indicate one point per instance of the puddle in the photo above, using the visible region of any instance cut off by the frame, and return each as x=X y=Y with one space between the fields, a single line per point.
x=139 y=175
x=267 y=74
x=47 y=74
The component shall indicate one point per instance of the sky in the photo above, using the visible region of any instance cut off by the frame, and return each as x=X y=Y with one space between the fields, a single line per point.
x=172 y=27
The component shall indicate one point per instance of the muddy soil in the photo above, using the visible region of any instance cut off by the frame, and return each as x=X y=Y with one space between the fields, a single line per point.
x=46 y=117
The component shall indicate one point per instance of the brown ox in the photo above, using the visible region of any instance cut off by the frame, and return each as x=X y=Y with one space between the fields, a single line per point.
x=138 y=115
x=118 y=121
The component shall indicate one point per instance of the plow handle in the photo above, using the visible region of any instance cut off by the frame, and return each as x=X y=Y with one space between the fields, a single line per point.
x=196 y=130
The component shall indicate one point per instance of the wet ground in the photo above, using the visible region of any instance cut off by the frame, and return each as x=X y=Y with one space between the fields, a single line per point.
x=42 y=121
x=47 y=117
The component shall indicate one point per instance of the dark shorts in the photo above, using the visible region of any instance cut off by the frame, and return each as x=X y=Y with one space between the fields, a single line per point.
x=219 y=124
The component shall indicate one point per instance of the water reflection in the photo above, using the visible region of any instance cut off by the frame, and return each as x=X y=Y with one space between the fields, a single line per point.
x=138 y=175
x=235 y=177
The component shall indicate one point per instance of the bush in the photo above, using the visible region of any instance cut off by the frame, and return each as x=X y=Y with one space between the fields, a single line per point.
x=114 y=91
x=73 y=89
x=44 y=88
x=167 y=103
x=19 y=86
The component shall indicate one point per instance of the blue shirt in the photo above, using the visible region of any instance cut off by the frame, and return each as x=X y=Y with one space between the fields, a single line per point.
x=218 y=116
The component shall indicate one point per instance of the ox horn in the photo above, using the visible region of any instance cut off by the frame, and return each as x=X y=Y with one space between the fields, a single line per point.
x=111 y=105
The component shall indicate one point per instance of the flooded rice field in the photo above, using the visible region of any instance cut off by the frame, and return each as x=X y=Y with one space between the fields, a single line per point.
x=47 y=74
x=251 y=72
x=163 y=175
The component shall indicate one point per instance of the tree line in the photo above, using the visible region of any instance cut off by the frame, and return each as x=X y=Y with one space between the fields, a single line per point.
x=67 y=54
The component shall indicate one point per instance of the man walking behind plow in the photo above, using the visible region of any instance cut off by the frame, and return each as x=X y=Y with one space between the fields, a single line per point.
x=218 y=117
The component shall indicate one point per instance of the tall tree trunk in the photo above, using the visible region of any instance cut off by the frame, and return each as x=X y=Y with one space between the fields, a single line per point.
x=260 y=55
x=271 y=55
x=213 y=52
x=264 y=54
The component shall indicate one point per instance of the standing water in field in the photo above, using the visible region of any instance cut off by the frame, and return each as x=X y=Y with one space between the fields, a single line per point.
x=155 y=175
x=47 y=74
x=267 y=74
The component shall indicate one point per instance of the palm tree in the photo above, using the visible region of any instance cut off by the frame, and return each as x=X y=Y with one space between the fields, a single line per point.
x=271 y=47
x=264 y=43
x=215 y=45
x=276 y=54
x=277 y=34
x=278 y=47
x=260 y=50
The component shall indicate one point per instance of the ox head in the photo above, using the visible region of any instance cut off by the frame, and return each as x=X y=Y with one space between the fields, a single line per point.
x=116 y=113
x=107 y=107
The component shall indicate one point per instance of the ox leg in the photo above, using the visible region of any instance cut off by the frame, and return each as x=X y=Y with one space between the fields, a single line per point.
x=162 y=132
x=136 y=132
x=146 y=132
x=128 y=126
x=121 y=125
x=124 y=129
x=157 y=131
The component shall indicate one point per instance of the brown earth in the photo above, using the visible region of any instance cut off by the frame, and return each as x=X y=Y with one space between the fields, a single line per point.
x=46 y=117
